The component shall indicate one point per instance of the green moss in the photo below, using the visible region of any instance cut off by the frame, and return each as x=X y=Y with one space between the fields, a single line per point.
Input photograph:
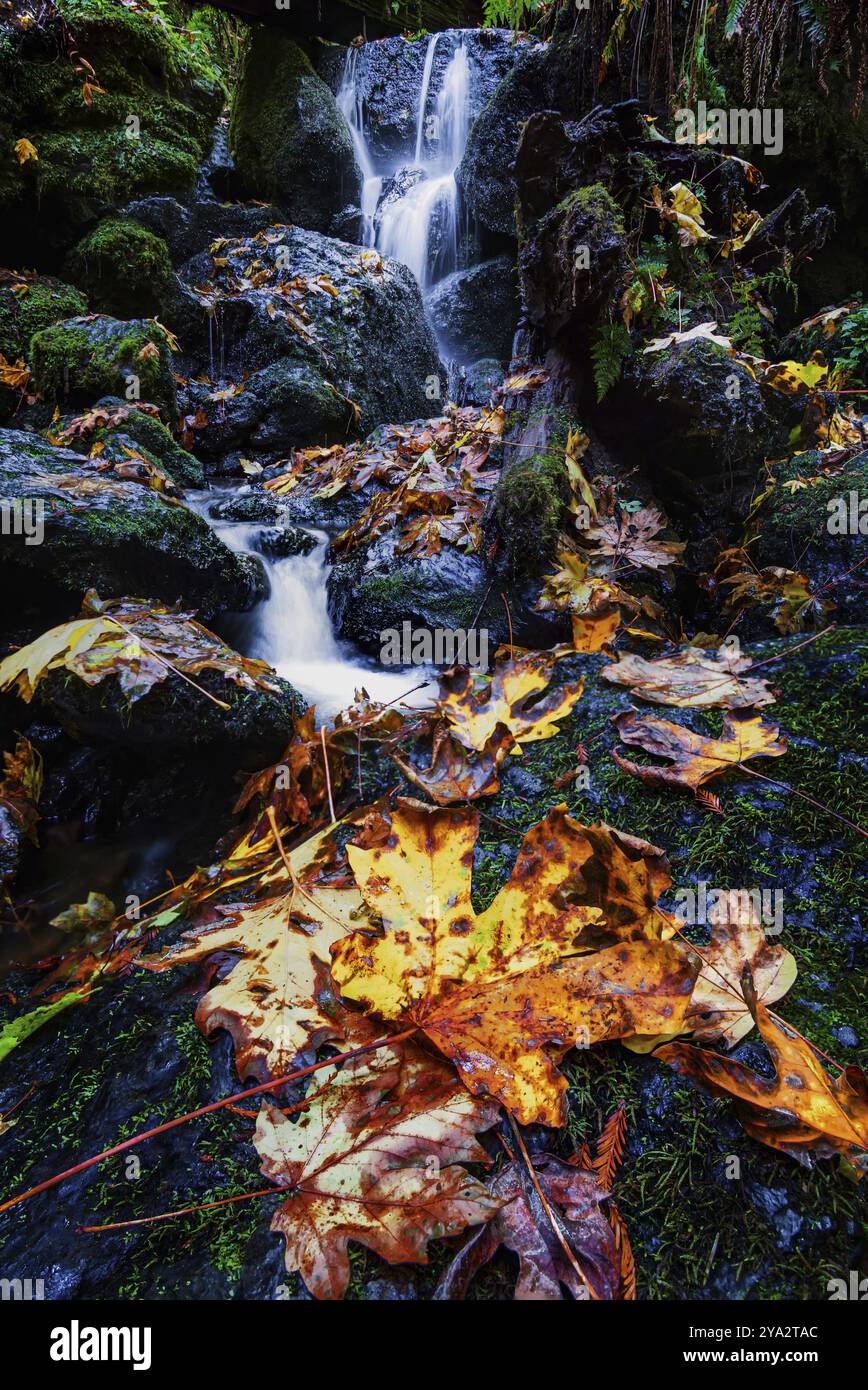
x=595 y=201
x=41 y=302
x=290 y=143
x=528 y=507
x=124 y=269
x=83 y=359
x=799 y=517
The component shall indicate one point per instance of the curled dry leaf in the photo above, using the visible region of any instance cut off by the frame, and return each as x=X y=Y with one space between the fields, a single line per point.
x=718 y=1010
x=375 y=1158
x=691 y=679
x=456 y=773
x=523 y=1226
x=474 y=706
x=694 y=759
x=594 y=604
x=506 y=993
x=21 y=786
x=272 y=1000
x=802 y=1110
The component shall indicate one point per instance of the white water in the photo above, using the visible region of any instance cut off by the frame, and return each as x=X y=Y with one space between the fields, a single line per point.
x=421 y=228
x=292 y=629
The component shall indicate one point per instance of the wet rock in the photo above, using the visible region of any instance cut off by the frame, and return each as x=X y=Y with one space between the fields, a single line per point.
x=847 y=1036
x=44 y=301
x=573 y=261
x=700 y=409
x=134 y=432
x=280 y=541
x=474 y=312
x=173 y=714
x=487 y=182
x=89 y=163
x=368 y=342
x=79 y=360
x=118 y=537
x=475 y=383
x=290 y=142
x=253 y=506
x=773 y=1202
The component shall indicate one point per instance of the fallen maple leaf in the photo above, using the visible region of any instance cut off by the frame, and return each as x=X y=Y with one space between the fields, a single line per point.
x=474 y=706
x=718 y=1009
x=691 y=679
x=25 y=152
x=375 y=1158
x=594 y=604
x=271 y=1001
x=505 y=994
x=138 y=642
x=693 y=758
x=456 y=773
x=702 y=331
x=633 y=539
x=524 y=1226
x=802 y=1110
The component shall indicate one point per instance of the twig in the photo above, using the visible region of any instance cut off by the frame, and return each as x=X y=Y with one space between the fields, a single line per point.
x=553 y=1221
x=325 y=758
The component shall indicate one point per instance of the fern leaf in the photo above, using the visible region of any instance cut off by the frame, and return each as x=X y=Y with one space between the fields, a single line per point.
x=610 y=1147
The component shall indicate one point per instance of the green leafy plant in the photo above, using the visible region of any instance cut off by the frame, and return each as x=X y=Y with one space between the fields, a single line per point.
x=608 y=351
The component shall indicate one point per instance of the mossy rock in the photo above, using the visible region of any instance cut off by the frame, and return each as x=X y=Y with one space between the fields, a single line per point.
x=153 y=101
x=38 y=302
x=527 y=509
x=124 y=269
x=572 y=262
x=115 y=536
x=81 y=359
x=140 y=432
x=290 y=143
x=814 y=528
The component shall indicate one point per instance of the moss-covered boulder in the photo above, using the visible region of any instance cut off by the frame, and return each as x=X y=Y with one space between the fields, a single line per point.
x=366 y=340
x=118 y=430
x=29 y=303
x=291 y=143
x=173 y=714
x=486 y=182
x=138 y=122
x=95 y=531
x=819 y=527
x=81 y=359
x=701 y=411
x=124 y=269
x=572 y=262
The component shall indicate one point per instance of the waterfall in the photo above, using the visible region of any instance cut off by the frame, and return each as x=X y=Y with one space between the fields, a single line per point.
x=350 y=105
x=292 y=628
x=411 y=213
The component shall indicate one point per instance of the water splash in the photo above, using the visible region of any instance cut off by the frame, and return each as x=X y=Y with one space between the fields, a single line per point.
x=351 y=107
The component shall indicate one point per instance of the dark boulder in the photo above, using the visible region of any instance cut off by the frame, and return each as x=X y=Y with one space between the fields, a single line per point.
x=474 y=312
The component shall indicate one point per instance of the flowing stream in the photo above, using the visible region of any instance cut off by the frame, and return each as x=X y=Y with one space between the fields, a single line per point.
x=411 y=212
x=291 y=629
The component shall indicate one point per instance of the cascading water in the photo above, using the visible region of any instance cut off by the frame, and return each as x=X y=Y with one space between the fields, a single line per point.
x=292 y=629
x=419 y=224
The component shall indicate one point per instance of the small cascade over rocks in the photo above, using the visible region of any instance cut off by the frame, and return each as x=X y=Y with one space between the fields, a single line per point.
x=411 y=202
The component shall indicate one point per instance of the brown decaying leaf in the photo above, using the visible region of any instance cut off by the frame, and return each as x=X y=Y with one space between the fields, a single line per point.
x=21 y=786
x=802 y=1110
x=522 y=1225
x=633 y=540
x=718 y=1010
x=455 y=773
x=693 y=758
x=691 y=679
x=506 y=993
x=375 y=1158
